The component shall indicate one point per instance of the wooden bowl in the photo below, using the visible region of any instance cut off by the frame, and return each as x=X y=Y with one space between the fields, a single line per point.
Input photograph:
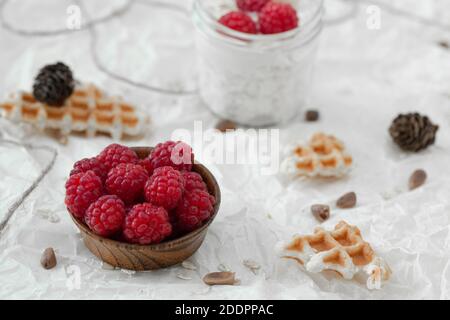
x=150 y=257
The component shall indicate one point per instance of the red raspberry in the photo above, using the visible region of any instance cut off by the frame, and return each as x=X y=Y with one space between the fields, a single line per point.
x=193 y=181
x=82 y=189
x=195 y=207
x=146 y=224
x=106 y=215
x=175 y=154
x=87 y=164
x=114 y=154
x=251 y=5
x=277 y=17
x=239 y=21
x=165 y=187
x=146 y=163
x=127 y=181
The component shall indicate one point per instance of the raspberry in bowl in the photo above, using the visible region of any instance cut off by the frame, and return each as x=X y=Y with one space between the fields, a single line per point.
x=148 y=211
x=255 y=57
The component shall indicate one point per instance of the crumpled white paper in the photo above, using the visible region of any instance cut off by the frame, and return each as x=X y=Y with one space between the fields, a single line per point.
x=363 y=79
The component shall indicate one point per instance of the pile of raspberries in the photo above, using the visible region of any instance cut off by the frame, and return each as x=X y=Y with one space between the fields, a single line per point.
x=143 y=201
x=270 y=17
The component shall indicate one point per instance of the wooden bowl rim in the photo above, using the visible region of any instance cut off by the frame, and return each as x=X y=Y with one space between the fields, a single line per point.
x=162 y=245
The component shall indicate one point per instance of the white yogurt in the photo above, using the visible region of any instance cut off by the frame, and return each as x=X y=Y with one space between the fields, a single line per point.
x=255 y=80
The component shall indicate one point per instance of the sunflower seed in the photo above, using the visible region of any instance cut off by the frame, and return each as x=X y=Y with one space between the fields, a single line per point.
x=225 y=125
x=48 y=259
x=188 y=265
x=252 y=265
x=128 y=272
x=417 y=179
x=54 y=218
x=444 y=44
x=107 y=266
x=183 y=276
x=320 y=211
x=312 y=115
x=48 y=215
x=347 y=201
x=223 y=267
x=219 y=278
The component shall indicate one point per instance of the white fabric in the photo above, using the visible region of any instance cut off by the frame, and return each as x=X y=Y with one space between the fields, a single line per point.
x=363 y=79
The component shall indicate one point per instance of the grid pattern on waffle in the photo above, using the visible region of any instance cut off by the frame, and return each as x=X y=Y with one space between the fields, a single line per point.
x=340 y=246
x=88 y=110
x=342 y=250
x=324 y=155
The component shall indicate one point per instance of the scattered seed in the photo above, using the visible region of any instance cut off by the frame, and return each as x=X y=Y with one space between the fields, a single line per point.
x=226 y=125
x=311 y=115
x=48 y=215
x=144 y=292
x=444 y=44
x=188 y=265
x=223 y=267
x=183 y=276
x=220 y=278
x=320 y=211
x=390 y=194
x=107 y=266
x=252 y=265
x=54 y=219
x=417 y=179
x=128 y=272
x=48 y=258
x=347 y=201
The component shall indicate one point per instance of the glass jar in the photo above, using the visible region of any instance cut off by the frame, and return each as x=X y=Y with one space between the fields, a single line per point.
x=255 y=80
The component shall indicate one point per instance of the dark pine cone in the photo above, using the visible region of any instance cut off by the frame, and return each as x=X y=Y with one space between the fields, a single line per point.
x=53 y=84
x=413 y=132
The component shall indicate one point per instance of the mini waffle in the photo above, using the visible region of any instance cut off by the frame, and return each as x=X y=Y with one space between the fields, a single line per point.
x=324 y=156
x=87 y=110
x=342 y=250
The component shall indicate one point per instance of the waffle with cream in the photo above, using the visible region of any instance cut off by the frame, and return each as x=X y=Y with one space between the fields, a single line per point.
x=87 y=110
x=342 y=250
x=323 y=156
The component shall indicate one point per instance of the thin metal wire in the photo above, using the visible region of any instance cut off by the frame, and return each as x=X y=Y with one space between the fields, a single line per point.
x=116 y=76
x=35 y=183
x=90 y=27
x=91 y=24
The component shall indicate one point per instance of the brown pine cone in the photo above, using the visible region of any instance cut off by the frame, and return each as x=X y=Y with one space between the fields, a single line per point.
x=413 y=132
x=54 y=84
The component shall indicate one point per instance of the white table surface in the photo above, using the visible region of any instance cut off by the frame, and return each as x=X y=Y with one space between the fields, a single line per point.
x=363 y=79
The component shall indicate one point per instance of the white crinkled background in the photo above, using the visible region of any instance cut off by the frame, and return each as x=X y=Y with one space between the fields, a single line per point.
x=363 y=79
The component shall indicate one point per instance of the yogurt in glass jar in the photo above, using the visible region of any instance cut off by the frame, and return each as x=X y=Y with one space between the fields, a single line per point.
x=255 y=80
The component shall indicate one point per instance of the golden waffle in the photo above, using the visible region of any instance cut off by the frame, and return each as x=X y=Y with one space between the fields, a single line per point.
x=324 y=156
x=87 y=110
x=342 y=250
